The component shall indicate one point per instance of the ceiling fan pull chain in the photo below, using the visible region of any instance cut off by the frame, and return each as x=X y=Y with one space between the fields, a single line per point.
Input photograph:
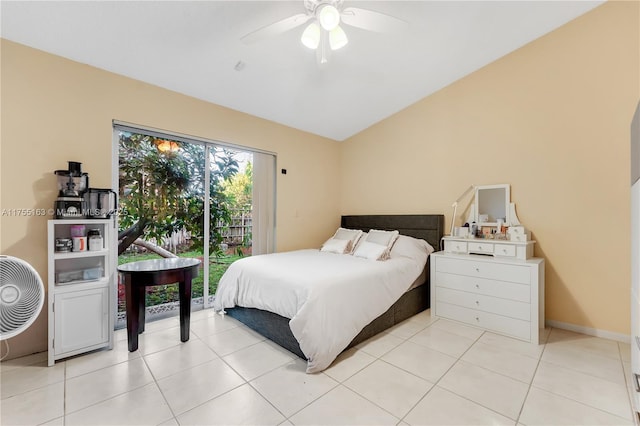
x=323 y=48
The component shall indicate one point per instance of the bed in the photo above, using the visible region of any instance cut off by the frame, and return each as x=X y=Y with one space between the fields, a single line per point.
x=277 y=327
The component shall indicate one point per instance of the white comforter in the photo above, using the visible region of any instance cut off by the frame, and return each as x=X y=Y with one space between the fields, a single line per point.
x=329 y=297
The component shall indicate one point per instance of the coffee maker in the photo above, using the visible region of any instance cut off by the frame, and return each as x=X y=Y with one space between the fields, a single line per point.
x=100 y=203
x=72 y=184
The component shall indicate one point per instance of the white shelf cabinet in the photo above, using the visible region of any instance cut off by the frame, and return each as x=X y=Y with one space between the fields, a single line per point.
x=502 y=295
x=82 y=311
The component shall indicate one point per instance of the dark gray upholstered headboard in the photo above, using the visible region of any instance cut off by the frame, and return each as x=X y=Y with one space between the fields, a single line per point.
x=429 y=227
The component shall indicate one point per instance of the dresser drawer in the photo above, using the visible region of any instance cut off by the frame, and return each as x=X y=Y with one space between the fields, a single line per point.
x=498 y=323
x=491 y=270
x=507 y=308
x=518 y=237
x=482 y=248
x=504 y=250
x=455 y=246
x=502 y=289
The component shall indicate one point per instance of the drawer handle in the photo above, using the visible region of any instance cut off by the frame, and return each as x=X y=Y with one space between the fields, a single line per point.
x=478 y=286
x=478 y=319
x=477 y=302
x=636 y=380
x=477 y=269
x=504 y=251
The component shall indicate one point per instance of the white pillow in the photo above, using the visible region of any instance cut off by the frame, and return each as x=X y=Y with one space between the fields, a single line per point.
x=383 y=239
x=370 y=251
x=363 y=237
x=333 y=245
x=352 y=235
x=413 y=248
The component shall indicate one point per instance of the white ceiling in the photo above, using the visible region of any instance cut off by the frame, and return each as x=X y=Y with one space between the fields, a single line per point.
x=192 y=47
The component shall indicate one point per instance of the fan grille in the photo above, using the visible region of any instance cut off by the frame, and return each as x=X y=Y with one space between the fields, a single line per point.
x=21 y=296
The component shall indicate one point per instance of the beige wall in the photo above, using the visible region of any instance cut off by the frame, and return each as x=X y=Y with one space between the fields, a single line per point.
x=553 y=120
x=55 y=110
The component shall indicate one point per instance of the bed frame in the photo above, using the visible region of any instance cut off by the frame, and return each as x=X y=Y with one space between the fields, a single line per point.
x=427 y=227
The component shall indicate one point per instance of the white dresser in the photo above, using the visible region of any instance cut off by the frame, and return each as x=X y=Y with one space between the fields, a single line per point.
x=502 y=295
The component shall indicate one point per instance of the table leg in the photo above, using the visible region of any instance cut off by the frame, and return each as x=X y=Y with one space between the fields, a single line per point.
x=132 y=296
x=185 y=306
x=141 y=308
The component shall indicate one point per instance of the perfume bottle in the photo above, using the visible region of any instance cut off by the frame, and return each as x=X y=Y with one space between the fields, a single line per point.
x=474 y=229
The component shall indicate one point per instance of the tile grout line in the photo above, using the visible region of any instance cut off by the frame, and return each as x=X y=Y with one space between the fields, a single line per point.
x=535 y=371
x=286 y=418
x=628 y=386
x=64 y=396
x=246 y=382
x=315 y=399
x=217 y=396
x=155 y=382
x=97 y=369
x=141 y=357
x=341 y=383
x=376 y=358
x=221 y=358
x=442 y=376
x=479 y=366
x=459 y=358
x=568 y=397
x=106 y=399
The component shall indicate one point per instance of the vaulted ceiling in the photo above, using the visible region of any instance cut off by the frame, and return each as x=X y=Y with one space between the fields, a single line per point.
x=195 y=48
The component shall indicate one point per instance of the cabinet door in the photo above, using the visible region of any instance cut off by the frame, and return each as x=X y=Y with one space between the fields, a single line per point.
x=81 y=319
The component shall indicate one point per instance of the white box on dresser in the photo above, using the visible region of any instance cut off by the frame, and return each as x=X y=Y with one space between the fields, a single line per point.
x=500 y=294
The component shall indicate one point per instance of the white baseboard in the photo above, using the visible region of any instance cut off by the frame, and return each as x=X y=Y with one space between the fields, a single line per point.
x=619 y=337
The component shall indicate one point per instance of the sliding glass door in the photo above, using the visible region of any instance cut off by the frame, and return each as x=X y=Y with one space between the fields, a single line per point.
x=187 y=197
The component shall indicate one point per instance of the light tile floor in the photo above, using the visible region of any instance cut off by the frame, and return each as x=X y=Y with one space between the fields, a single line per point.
x=421 y=372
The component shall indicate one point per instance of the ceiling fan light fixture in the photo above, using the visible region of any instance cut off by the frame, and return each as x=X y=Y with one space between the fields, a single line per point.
x=337 y=38
x=329 y=17
x=311 y=36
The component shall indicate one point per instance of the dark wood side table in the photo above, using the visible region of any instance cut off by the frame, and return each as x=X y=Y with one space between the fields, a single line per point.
x=145 y=273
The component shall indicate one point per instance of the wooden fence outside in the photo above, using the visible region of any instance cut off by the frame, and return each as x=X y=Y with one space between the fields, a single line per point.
x=238 y=232
x=235 y=233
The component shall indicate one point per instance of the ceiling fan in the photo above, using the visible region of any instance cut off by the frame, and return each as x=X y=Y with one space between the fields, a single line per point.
x=324 y=33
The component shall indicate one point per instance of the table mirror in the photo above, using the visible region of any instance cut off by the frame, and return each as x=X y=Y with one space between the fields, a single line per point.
x=492 y=203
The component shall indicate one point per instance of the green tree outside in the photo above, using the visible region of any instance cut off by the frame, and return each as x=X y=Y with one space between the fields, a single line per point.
x=162 y=192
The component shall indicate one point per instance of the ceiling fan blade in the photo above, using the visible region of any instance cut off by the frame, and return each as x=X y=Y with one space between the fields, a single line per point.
x=370 y=20
x=276 y=28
